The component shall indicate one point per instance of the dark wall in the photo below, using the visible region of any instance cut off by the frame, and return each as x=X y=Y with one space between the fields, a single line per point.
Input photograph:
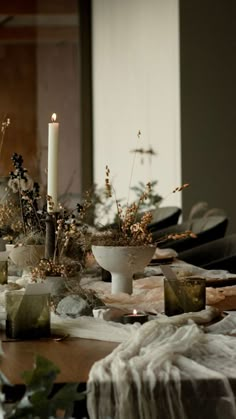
x=208 y=103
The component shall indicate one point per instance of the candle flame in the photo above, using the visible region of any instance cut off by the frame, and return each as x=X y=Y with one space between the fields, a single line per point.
x=54 y=117
x=135 y=312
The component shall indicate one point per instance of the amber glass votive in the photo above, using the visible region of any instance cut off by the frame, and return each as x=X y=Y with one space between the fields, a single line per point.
x=28 y=316
x=184 y=295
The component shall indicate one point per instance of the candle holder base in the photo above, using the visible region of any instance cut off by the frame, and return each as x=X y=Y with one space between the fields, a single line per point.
x=50 y=235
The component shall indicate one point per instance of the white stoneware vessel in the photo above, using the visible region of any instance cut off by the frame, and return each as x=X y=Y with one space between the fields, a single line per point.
x=122 y=262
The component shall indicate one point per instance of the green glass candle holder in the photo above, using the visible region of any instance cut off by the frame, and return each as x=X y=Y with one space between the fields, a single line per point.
x=184 y=295
x=3 y=272
x=28 y=316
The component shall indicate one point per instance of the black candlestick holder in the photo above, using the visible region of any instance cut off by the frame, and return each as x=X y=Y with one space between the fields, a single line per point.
x=50 y=235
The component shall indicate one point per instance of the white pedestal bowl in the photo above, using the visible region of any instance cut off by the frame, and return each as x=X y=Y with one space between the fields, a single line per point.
x=122 y=262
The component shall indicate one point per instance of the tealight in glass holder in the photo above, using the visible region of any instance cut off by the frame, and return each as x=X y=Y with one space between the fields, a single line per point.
x=28 y=315
x=135 y=317
x=183 y=295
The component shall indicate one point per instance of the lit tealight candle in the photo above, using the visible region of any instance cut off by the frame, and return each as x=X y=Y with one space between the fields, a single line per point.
x=53 y=136
x=135 y=316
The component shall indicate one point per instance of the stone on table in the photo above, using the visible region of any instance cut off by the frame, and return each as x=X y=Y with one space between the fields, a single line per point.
x=73 y=306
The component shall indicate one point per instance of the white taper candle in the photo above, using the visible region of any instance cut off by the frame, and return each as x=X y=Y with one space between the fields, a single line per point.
x=53 y=143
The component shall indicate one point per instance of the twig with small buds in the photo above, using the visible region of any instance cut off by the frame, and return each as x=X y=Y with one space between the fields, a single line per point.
x=4 y=126
x=132 y=169
x=176 y=236
x=177 y=189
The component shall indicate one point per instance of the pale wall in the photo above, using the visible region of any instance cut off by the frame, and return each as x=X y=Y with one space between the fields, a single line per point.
x=136 y=87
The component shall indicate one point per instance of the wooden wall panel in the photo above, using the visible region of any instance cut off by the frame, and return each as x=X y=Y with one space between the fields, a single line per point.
x=29 y=7
x=42 y=34
x=18 y=100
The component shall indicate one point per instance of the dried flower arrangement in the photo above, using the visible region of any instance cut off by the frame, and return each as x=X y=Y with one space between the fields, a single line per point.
x=131 y=228
x=130 y=231
x=66 y=268
x=21 y=219
x=71 y=245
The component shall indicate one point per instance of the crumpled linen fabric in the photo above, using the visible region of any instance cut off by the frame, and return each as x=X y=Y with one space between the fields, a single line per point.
x=91 y=328
x=168 y=369
x=148 y=294
x=99 y=329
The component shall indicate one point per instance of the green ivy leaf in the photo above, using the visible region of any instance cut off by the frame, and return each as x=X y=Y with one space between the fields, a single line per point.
x=39 y=400
x=42 y=376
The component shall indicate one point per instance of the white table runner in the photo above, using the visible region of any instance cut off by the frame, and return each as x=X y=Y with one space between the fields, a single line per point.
x=168 y=372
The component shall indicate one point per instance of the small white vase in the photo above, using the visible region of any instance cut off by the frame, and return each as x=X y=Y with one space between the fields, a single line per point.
x=122 y=262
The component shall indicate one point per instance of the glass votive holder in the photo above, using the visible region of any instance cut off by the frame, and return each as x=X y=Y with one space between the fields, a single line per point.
x=135 y=317
x=184 y=295
x=3 y=271
x=27 y=315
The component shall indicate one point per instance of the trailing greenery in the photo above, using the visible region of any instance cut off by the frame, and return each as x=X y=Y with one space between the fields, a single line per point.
x=39 y=400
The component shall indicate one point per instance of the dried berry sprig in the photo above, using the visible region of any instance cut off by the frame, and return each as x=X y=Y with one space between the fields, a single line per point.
x=177 y=189
x=176 y=236
x=47 y=267
x=107 y=183
x=181 y=188
x=4 y=125
x=183 y=235
x=143 y=197
x=83 y=208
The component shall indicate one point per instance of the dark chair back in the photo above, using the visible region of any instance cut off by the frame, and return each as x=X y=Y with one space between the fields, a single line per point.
x=206 y=228
x=217 y=254
x=164 y=217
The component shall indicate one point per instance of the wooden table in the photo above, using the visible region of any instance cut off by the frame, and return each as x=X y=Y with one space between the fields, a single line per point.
x=74 y=356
